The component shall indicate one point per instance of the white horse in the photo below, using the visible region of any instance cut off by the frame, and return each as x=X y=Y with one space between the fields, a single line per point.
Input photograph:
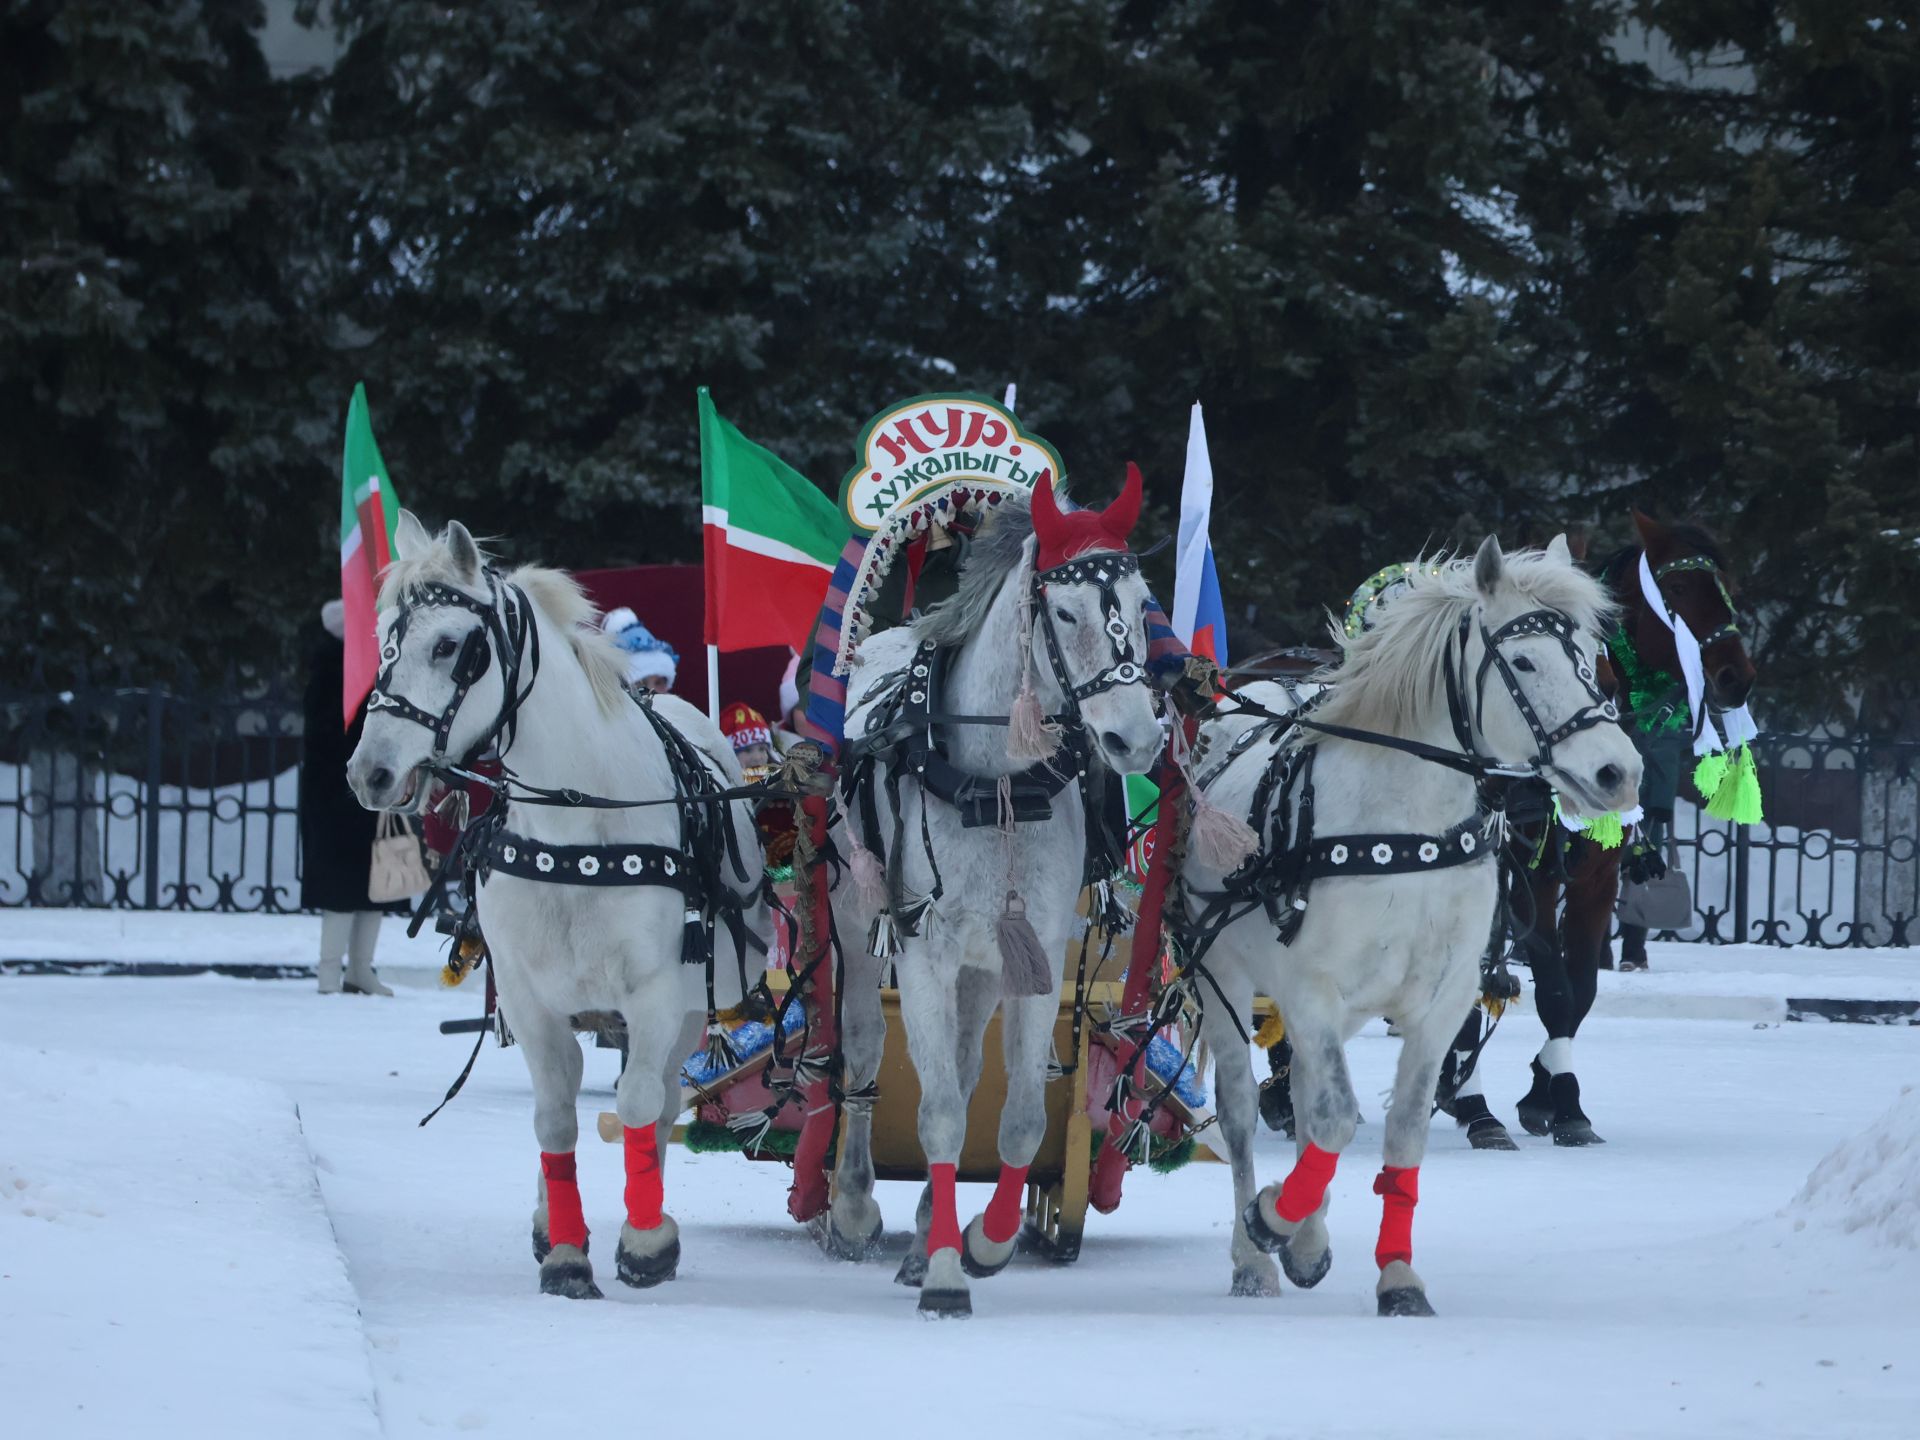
x=583 y=909
x=1060 y=599
x=1401 y=897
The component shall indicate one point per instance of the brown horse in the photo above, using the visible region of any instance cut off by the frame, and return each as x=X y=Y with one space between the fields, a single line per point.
x=1550 y=864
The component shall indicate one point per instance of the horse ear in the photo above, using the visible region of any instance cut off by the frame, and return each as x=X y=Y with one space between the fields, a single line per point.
x=1653 y=535
x=1489 y=567
x=1119 y=518
x=464 y=553
x=1557 y=550
x=409 y=536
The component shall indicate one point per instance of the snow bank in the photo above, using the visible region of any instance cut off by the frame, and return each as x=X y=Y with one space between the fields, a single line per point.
x=1870 y=1185
x=164 y=1245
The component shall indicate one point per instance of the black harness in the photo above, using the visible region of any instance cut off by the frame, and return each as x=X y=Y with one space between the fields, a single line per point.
x=1291 y=856
x=506 y=624
x=903 y=739
x=1728 y=631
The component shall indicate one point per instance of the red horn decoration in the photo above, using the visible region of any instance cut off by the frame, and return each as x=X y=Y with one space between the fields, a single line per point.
x=1063 y=535
x=1122 y=515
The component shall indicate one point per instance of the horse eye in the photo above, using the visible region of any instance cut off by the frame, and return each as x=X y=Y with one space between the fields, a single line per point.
x=1063 y=616
x=1523 y=664
x=443 y=647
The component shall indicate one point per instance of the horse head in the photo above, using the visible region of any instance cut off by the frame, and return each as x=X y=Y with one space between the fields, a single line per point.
x=1535 y=691
x=440 y=692
x=1691 y=575
x=1090 y=636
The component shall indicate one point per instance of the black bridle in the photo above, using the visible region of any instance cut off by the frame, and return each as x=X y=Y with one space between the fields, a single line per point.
x=506 y=625
x=1105 y=569
x=1467 y=721
x=1706 y=565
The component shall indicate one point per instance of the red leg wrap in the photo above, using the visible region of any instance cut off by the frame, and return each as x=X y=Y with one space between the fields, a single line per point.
x=1399 y=1192
x=566 y=1225
x=1002 y=1220
x=1303 y=1190
x=645 y=1190
x=944 y=1234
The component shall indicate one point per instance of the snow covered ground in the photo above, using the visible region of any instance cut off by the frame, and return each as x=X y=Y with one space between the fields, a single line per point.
x=168 y=1267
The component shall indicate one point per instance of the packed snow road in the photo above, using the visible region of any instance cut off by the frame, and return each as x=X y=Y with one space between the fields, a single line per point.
x=167 y=1267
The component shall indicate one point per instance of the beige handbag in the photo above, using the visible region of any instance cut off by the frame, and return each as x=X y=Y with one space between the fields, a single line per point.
x=398 y=872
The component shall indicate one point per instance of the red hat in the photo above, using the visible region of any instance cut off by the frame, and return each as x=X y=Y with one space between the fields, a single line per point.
x=743 y=726
x=1065 y=534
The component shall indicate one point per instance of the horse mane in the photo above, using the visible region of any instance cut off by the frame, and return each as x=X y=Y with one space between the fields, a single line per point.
x=994 y=553
x=554 y=593
x=1390 y=679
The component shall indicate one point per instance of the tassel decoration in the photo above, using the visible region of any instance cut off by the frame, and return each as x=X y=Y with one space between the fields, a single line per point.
x=1709 y=775
x=1606 y=831
x=1024 y=967
x=720 y=1053
x=883 y=937
x=1271 y=1032
x=869 y=880
x=1737 y=796
x=1029 y=735
x=1218 y=839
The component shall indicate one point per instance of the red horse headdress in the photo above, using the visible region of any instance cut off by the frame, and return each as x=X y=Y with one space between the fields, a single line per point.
x=1066 y=534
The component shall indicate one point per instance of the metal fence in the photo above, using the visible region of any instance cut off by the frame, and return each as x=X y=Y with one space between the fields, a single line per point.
x=151 y=799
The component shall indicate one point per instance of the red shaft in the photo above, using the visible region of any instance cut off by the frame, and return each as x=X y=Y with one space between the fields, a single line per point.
x=808 y=1196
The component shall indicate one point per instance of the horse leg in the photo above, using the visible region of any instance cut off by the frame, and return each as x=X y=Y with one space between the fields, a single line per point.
x=946 y=1017
x=852 y=1226
x=659 y=1036
x=1469 y=1102
x=1276 y=1095
x=1026 y=1035
x=1400 y=1290
x=559 y=1225
x=1289 y=1219
x=969 y=1058
x=1583 y=942
x=1254 y=1273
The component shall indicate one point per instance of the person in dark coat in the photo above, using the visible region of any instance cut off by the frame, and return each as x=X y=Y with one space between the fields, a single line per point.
x=336 y=833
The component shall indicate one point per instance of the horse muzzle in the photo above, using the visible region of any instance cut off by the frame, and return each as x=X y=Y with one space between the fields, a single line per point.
x=378 y=787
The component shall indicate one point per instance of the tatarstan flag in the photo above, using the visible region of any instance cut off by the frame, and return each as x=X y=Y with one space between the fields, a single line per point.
x=772 y=538
x=368 y=512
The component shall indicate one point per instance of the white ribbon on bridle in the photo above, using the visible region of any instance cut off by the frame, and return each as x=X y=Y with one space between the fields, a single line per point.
x=1737 y=723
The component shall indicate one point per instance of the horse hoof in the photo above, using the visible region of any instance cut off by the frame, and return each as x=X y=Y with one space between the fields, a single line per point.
x=645 y=1268
x=913 y=1269
x=1404 y=1300
x=1254 y=1282
x=945 y=1304
x=980 y=1257
x=1303 y=1276
x=836 y=1244
x=1489 y=1134
x=543 y=1247
x=567 y=1273
x=1575 y=1133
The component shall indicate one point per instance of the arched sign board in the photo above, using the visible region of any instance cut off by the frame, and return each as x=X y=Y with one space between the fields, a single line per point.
x=917 y=448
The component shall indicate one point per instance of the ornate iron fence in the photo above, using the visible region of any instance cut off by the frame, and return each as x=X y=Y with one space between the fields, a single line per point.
x=151 y=799
x=168 y=799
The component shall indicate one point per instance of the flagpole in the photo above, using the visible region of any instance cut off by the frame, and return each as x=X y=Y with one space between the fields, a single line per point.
x=713 y=684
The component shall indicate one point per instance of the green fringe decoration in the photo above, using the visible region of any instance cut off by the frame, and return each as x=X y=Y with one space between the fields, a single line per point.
x=1165 y=1157
x=1647 y=689
x=780 y=874
x=1736 y=795
x=1606 y=831
x=705 y=1138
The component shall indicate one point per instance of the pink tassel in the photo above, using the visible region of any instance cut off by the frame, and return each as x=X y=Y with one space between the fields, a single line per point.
x=1218 y=839
x=869 y=880
x=1029 y=736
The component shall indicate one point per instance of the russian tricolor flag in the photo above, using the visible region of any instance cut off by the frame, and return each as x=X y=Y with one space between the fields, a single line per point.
x=1199 y=615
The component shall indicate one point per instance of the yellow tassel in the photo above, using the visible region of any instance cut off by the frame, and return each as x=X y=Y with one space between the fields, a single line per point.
x=731 y=1016
x=1737 y=798
x=1606 y=831
x=1493 y=1005
x=1709 y=775
x=1271 y=1032
x=449 y=976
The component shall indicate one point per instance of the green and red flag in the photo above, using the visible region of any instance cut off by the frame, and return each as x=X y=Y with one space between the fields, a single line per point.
x=369 y=510
x=771 y=540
